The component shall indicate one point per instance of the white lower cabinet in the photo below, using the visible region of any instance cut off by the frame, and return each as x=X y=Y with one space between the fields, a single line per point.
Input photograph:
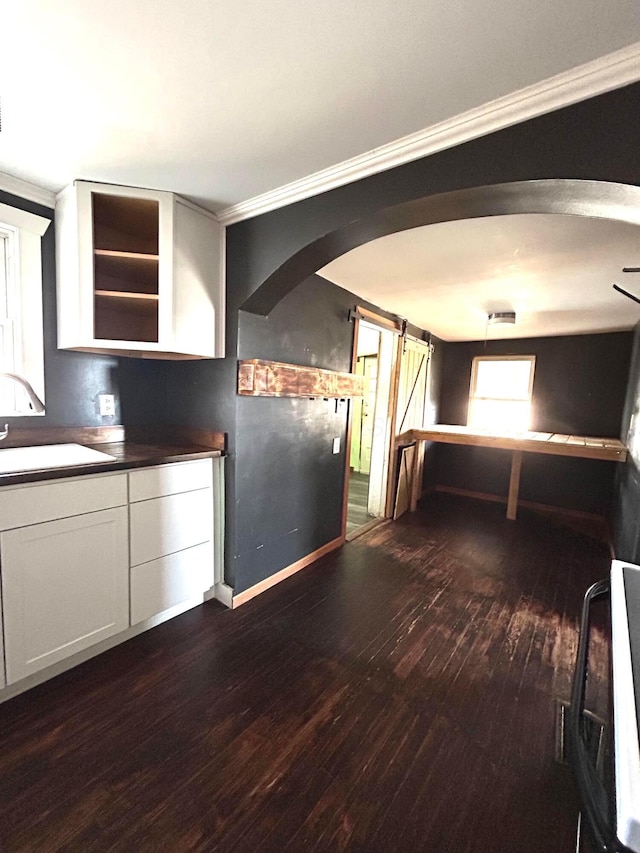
x=64 y=588
x=83 y=559
x=171 y=518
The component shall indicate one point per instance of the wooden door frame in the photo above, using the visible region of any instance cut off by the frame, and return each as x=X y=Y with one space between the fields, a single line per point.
x=385 y=324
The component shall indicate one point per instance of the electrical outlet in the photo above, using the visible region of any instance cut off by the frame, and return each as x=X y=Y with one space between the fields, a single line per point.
x=107 y=403
x=336 y=445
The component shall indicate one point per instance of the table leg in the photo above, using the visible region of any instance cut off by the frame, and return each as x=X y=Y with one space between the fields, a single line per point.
x=415 y=486
x=514 y=484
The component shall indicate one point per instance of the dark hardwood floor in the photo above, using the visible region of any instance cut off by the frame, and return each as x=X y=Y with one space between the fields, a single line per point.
x=358 y=495
x=399 y=695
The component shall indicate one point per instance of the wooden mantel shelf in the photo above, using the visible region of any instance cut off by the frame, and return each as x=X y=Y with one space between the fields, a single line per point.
x=258 y=378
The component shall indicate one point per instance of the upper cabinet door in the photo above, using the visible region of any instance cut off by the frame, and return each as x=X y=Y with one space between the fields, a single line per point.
x=140 y=272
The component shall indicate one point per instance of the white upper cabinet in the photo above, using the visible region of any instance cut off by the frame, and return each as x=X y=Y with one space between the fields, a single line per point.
x=140 y=273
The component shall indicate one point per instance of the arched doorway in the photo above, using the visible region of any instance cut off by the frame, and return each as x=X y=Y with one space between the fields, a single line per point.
x=598 y=199
x=569 y=197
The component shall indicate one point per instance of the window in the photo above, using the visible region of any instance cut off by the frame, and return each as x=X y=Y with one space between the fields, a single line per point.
x=21 y=334
x=500 y=395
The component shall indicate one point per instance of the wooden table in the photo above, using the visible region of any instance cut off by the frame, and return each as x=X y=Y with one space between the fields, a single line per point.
x=554 y=444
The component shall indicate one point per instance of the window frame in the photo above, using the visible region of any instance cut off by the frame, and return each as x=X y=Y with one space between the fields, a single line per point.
x=477 y=360
x=22 y=233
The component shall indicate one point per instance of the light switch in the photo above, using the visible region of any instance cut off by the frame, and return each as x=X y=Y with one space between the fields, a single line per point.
x=336 y=445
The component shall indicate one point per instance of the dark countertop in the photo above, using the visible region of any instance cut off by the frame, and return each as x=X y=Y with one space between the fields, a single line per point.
x=129 y=454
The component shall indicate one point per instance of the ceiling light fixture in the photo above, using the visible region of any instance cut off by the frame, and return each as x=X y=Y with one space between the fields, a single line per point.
x=501 y=317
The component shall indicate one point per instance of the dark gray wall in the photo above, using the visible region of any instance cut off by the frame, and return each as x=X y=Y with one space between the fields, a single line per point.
x=284 y=485
x=579 y=383
x=72 y=380
x=288 y=486
x=579 y=389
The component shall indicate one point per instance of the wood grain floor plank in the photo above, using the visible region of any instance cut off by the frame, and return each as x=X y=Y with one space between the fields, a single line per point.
x=399 y=695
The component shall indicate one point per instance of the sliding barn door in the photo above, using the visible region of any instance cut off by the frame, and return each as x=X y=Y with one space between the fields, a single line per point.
x=412 y=413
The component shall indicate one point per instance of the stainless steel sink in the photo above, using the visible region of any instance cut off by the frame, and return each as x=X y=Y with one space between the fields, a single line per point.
x=43 y=456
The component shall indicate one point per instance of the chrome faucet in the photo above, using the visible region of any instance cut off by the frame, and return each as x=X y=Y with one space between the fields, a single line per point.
x=36 y=403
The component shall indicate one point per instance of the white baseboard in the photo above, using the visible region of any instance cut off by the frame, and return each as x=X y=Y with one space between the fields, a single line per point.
x=223 y=593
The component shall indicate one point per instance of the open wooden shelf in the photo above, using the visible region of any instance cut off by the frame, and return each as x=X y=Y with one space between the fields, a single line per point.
x=140 y=273
x=126 y=265
x=134 y=256
x=125 y=223
x=124 y=294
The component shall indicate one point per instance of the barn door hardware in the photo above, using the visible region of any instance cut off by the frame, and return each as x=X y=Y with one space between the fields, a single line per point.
x=624 y=292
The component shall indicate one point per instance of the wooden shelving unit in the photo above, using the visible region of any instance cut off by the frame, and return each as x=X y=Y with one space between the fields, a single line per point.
x=126 y=266
x=140 y=273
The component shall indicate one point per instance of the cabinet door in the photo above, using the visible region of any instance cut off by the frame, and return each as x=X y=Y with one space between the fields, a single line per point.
x=64 y=587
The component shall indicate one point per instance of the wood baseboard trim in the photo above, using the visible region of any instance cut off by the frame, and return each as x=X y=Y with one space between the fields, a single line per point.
x=267 y=583
x=556 y=510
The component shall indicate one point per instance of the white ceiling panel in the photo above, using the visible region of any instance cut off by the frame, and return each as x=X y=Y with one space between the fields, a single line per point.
x=556 y=272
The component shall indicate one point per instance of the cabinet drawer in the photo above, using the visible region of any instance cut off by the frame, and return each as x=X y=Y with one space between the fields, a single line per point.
x=64 y=588
x=160 y=584
x=165 y=525
x=38 y=502
x=147 y=483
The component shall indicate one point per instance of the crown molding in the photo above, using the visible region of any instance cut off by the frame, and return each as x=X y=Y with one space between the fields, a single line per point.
x=578 y=84
x=23 y=189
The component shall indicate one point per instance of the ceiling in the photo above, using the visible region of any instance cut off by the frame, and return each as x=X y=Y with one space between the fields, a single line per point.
x=243 y=105
x=224 y=100
x=555 y=271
